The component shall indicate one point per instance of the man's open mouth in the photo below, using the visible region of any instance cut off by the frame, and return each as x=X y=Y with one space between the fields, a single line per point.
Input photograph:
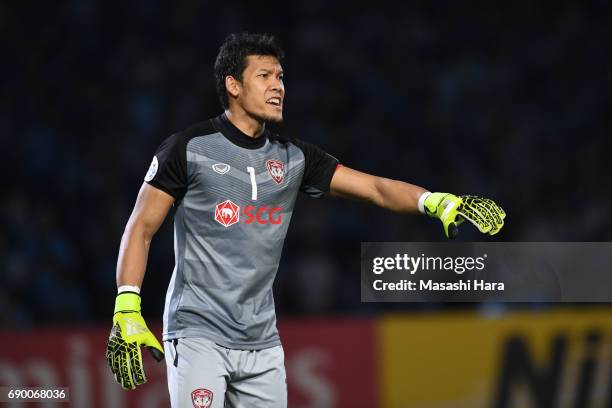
x=276 y=101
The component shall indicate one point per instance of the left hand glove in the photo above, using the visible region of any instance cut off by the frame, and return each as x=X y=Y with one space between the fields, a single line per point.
x=487 y=216
x=129 y=332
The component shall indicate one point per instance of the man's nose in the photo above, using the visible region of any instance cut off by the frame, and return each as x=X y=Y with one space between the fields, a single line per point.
x=277 y=85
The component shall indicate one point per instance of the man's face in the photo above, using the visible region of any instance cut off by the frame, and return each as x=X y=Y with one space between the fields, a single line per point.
x=262 y=89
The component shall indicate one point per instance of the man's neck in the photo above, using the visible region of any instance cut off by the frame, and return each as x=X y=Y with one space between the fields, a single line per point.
x=247 y=124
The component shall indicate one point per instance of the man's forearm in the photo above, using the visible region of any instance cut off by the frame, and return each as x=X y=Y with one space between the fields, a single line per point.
x=133 y=255
x=393 y=195
x=397 y=195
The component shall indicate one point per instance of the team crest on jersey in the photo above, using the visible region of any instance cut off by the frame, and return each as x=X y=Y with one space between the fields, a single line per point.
x=276 y=169
x=221 y=168
x=201 y=398
x=227 y=213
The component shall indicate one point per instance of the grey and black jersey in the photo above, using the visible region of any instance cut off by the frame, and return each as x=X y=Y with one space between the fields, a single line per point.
x=234 y=200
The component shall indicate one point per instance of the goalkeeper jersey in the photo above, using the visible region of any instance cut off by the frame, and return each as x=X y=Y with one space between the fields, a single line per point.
x=234 y=200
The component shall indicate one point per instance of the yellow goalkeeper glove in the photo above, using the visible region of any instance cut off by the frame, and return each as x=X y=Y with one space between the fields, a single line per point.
x=129 y=332
x=487 y=216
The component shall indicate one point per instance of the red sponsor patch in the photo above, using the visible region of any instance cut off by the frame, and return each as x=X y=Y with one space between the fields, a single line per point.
x=227 y=213
x=201 y=398
x=276 y=169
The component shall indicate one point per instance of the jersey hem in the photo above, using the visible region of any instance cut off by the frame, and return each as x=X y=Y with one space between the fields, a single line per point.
x=193 y=332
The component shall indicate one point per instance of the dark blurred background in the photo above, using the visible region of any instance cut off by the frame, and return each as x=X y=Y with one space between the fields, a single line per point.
x=508 y=101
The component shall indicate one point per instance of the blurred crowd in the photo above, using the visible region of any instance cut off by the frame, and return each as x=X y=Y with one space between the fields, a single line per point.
x=511 y=102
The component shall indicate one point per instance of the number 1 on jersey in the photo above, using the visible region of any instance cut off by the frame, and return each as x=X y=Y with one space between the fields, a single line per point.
x=251 y=171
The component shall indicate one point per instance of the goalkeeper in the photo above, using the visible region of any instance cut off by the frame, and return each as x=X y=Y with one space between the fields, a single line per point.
x=233 y=186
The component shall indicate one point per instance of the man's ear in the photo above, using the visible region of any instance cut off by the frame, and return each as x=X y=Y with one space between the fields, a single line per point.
x=233 y=86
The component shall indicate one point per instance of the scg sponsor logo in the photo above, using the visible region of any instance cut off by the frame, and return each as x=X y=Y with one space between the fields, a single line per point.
x=263 y=215
x=228 y=213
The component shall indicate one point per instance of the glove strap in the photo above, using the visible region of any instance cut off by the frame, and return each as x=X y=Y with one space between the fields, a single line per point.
x=431 y=204
x=127 y=302
x=422 y=199
x=128 y=288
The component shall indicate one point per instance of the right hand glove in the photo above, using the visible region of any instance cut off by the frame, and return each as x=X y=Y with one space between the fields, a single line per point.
x=129 y=332
x=487 y=216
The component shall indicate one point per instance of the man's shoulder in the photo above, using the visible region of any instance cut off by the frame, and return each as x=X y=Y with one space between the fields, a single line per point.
x=203 y=128
x=286 y=142
x=274 y=137
x=292 y=144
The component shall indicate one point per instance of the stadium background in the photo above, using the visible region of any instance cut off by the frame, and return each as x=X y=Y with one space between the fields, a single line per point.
x=510 y=101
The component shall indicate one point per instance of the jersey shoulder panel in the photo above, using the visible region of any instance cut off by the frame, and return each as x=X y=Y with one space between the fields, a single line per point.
x=168 y=170
x=319 y=168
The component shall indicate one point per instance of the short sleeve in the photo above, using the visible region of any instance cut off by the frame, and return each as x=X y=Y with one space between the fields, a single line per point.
x=168 y=170
x=318 y=171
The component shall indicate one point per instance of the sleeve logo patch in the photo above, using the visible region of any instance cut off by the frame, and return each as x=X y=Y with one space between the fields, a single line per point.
x=152 y=169
x=221 y=168
x=276 y=168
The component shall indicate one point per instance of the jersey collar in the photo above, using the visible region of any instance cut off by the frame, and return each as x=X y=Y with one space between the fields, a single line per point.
x=236 y=136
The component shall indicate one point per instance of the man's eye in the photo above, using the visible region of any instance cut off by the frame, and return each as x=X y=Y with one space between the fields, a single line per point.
x=263 y=75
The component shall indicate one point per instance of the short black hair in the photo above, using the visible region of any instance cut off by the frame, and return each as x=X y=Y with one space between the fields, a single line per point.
x=232 y=57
